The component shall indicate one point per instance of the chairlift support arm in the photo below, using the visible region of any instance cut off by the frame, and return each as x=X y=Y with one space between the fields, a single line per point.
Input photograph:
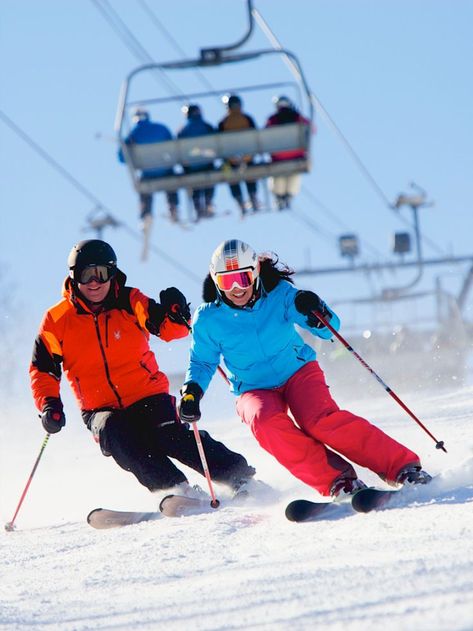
x=210 y=55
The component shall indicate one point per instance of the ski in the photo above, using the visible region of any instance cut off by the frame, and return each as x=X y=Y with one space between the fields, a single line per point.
x=367 y=500
x=363 y=501
x=103 y=518
x=305 y=510
x=182 y=506
x=170 y=506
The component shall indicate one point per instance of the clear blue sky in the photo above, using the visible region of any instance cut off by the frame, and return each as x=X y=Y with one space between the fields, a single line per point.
x=394 y=75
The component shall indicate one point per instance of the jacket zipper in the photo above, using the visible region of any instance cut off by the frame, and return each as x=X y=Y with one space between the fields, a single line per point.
x=107 y=317
x=104 y=357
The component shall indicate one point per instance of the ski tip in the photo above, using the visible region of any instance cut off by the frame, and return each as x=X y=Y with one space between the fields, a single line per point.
x=299 y=510
x=290 y=513
x=162 y=502
x=92 y=512
x=305 y=510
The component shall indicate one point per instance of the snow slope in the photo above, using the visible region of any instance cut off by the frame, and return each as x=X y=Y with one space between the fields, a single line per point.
x=409 y=567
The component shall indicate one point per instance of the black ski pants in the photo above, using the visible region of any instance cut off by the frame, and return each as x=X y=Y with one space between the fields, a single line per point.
x=144 y=437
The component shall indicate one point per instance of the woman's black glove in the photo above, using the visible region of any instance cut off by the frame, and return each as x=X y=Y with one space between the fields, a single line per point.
x=306 y=302
x=189 y=407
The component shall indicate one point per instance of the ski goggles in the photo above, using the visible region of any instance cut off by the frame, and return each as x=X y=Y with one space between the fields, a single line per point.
x=99 y=273
x=242 y=278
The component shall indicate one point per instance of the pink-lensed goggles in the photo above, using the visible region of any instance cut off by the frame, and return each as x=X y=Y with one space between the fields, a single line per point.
x=242 y=278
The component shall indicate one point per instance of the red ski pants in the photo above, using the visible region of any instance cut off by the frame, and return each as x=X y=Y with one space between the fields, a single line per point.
x=305 y=449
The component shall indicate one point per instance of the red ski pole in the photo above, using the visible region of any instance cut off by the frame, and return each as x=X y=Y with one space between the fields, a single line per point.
x=9 y=526
x=214 y=503
x=439 y=444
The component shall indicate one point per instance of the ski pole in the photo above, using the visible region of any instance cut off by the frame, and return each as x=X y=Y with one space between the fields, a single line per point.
x=214 y=503
x=439 y=444
x=10 y=526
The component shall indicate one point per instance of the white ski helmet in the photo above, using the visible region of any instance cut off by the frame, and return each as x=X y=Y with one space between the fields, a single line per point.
x=139 y=114
x=233 y=263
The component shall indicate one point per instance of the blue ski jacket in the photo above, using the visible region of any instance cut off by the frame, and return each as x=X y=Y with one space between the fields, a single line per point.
x=260 y=345
x=195 y=127
x=145 y=132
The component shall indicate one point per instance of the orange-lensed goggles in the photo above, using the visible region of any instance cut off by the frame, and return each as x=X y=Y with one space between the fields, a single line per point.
x=242 y=278
x=99 y=273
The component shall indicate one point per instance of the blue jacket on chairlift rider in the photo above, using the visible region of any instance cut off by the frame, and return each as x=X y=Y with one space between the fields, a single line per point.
x=145 y=132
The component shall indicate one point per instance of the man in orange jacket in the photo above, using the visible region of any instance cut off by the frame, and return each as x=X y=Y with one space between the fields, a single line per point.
x=99 y=335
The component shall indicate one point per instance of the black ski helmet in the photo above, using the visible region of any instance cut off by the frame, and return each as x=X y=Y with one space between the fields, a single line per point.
x=193 y=111
x=90 y=252
x=234 y=101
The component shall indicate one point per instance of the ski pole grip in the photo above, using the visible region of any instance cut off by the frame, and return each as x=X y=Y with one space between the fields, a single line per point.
x=177 y=312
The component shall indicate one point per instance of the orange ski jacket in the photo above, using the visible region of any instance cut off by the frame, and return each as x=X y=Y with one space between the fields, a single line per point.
x=105 y=356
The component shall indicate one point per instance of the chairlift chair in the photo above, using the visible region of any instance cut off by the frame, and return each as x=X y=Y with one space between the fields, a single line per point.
x=187 y=152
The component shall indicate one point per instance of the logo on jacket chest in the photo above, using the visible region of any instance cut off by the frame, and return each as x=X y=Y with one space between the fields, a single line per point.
x=117 y=334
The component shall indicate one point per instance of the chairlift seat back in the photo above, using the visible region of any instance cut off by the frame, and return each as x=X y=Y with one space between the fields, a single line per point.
x=205 y=149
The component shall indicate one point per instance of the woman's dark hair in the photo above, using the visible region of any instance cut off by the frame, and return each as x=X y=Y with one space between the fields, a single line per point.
x=272 y=272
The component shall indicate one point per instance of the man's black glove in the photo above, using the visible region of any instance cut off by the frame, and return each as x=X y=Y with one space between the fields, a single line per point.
x=175 y=304
x=189 y=408
x=306 y=302
x=52 y=416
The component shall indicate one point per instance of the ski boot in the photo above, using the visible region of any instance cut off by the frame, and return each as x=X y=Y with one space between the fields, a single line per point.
x=173 y=213
x=413 y=475
x=254 y=203
x=344 y=488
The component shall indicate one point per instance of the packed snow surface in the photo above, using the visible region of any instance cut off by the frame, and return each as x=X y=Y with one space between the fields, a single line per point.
x=247 y=567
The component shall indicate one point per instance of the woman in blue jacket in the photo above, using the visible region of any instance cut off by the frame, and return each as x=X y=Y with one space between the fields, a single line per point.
x=249 y=315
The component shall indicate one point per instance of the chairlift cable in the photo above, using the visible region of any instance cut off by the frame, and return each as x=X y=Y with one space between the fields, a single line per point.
x=326 y=116
x=340 y=223
x=175 y=44
x=317 y=104
x=131 y=42
x=51 y=161
x=90 y=196
x=308 y=221
x=324 y=232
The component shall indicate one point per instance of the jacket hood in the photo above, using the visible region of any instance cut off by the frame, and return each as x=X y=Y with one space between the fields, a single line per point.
x=209 y=291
